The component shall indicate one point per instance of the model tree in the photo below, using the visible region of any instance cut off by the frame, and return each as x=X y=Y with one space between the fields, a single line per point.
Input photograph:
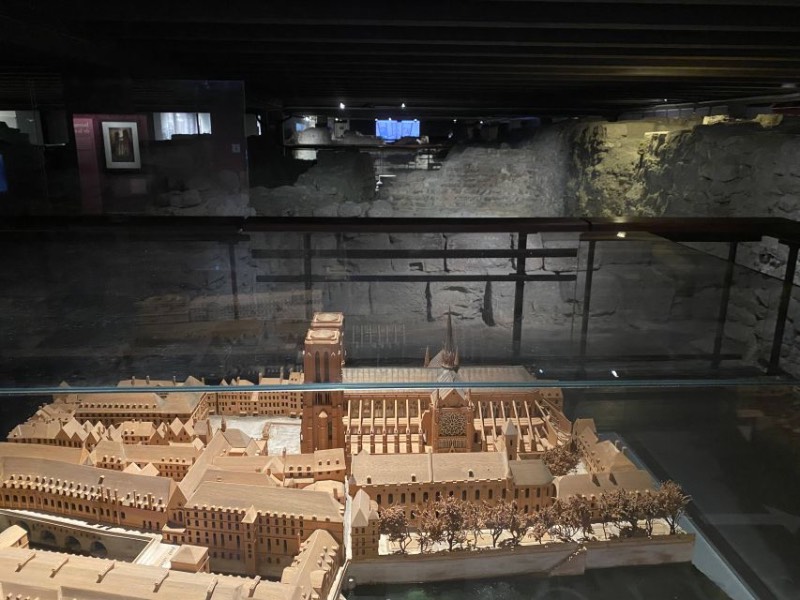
x=582 y=513
x=494 y=519
x=474 y=520
x=570 y=516
x=541 y=522
x=607 y=511
x=649 y=510
x=561 y=459
x=394 y=524
x=517 y=522
x=452 y=516
x=431 y=530
x=626 y=511
x=671 y=502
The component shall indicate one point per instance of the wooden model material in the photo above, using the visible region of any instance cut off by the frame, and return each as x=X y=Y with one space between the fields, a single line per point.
x=149 y=459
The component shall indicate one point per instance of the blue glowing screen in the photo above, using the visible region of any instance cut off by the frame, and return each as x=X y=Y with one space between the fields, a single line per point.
x=391 y=130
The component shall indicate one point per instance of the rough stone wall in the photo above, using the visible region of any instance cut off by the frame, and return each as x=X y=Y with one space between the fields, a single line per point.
x=525 y=180
x=684 y=168
x=498 y=180
x=341 y=184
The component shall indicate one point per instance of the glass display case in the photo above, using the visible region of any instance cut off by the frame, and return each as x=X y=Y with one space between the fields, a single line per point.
x=323 y=372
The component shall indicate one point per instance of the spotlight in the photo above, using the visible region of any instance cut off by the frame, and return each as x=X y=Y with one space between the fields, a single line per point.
x=341 y=105
x=403 y=105
x=481 y=122
x=621 y=234
x=666 y=100
x=614 y=373
x=455 y=120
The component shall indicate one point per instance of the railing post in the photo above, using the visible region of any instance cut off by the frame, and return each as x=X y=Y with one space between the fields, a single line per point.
x=307 y=276
x=723 y=304
x=783 y=309
x=587 y=301
x=519 y=295
x=234 y=283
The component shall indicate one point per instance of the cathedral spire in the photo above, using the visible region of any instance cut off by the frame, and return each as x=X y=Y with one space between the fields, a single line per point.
x=450 y=350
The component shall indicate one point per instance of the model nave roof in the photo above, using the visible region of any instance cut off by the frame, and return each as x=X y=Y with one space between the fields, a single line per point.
x=465 y=375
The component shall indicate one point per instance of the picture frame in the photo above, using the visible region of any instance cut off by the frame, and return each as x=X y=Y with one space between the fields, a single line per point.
x=121 y=145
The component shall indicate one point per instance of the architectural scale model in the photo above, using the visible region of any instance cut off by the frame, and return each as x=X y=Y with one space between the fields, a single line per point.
x=149 y=462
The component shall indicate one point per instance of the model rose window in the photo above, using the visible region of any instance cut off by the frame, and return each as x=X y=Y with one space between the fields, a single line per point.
x=453 y=424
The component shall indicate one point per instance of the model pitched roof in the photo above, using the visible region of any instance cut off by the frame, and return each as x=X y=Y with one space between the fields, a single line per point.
x=52 y=574
x=237 y=438
x=267 y=500
x=189 y=555
x=89 y=481
x=142 y=453
x=609 y=457
x=509 y=429
x=320 y=460
x=396 y=469
x=44 y=451
x=530 y=472
x=586 y=484
x=318 y=558
x=363 y=510
x=145 y=401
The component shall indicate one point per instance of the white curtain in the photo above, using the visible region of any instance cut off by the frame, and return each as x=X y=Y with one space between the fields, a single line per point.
x=181 y=123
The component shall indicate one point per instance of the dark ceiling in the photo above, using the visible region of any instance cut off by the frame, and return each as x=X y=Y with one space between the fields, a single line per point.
x=440 y=58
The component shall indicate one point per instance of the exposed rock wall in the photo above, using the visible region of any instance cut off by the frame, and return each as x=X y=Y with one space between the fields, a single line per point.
x=341 y=184
x=525 y=180
x=683 y=168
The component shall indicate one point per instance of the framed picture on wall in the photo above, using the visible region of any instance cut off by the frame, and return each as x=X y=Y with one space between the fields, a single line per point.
x=121 y=145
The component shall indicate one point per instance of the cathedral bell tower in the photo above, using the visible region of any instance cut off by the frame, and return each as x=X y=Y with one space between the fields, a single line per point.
x=323 y=357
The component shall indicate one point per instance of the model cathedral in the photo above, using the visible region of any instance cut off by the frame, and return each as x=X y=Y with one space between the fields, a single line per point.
x=148 y=461
x=450 y=417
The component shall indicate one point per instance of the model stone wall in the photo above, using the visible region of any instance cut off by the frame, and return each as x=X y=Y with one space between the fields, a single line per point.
x=568 y=558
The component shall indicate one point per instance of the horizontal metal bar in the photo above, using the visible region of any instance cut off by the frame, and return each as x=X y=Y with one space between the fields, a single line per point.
x=409 y=278
x=414 y=225
x=361 y=253
x=424 y=385
x=623 y=358
x=167 y=228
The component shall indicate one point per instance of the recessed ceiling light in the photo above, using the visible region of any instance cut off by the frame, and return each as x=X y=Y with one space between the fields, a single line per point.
x=341 y=105
x=403 y=105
